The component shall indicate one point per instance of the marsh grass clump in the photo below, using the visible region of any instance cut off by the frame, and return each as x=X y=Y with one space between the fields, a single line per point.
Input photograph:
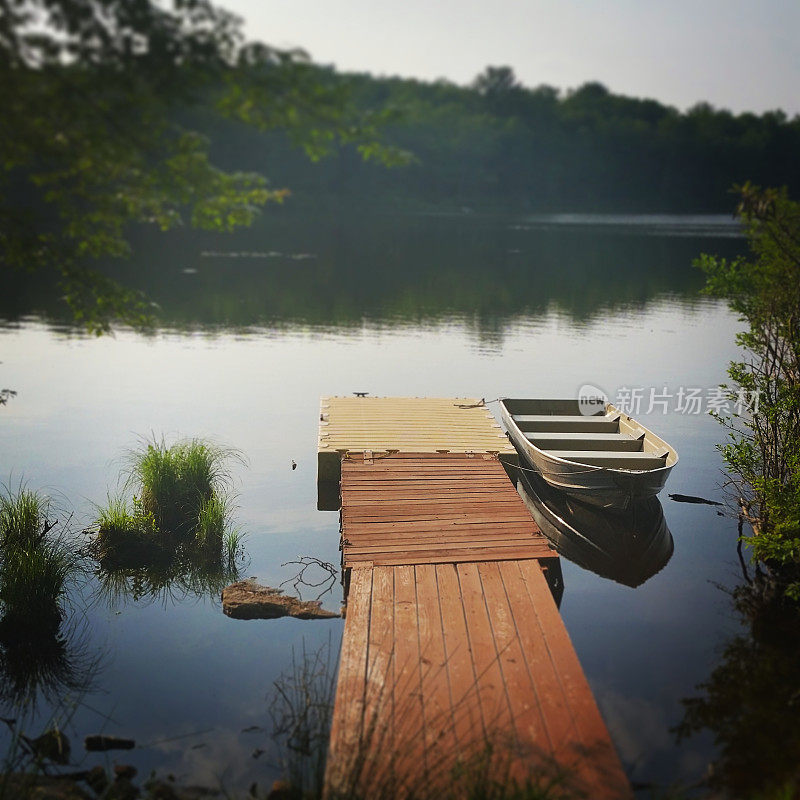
x=36 y=562
x=127 y=536
x=175 y=533
x=174 y=483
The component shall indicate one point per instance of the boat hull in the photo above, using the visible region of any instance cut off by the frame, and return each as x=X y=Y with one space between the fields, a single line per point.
x=595 y=485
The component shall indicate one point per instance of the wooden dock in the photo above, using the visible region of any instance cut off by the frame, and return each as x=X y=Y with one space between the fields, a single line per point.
x=456 y=668
x=433 y=508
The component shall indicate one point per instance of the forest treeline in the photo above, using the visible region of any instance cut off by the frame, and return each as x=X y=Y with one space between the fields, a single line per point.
x=498 y=144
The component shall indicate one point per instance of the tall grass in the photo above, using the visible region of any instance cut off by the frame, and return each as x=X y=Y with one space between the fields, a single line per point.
x=174 y=536
x=35 y=562
x=22 y=517
x=174 y=483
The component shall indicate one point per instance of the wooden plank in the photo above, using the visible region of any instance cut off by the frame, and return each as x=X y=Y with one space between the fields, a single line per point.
x=462 y=533
x=484 y=519
x=425 y=540
x=409 y=718
x=531 y=756
x=413 y=505
x=439 y=734
x=399 y=521
x=426 y=483
x=598 y=763
x=381 y=515
x=405 y=423
x=477 y=641
x=418 y=502
x=347 y=724
x=458 y=512
x=451 y=546
x=557 y=716
x=465 y=643
x=483 y=531
x=378 y=740
x=463 y=557
x=492 y=698
x=461 y=676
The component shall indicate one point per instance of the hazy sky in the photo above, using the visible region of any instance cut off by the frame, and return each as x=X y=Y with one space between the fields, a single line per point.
x=735 y=54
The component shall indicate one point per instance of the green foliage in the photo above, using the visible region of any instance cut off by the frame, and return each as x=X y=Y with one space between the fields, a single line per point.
x=763 y=450
x=175 y=536
x=500 y=145
x=181 y=483
x=90 y=141
x=35 y=563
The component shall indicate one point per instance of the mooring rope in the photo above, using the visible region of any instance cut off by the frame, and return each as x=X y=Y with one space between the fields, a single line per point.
x=479 y=404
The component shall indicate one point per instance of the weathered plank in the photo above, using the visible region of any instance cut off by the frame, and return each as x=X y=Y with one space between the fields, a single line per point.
x=478 y=682
x=470 y=513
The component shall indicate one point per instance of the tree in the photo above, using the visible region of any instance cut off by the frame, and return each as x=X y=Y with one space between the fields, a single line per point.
x=763 y=450
x=90 y=138
x=495 y=80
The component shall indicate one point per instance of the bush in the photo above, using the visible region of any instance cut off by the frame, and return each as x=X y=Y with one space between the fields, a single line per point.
x=763 y=450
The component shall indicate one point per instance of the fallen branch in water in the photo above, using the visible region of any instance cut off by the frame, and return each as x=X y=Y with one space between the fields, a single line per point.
x=688 y=498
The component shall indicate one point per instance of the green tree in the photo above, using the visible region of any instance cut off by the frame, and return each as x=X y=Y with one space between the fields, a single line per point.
x=495 y=80
x=91 y=138
x=763 y=450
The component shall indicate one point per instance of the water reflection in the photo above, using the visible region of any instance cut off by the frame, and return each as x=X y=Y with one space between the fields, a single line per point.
x=627 y=547
x=400 y=269
x=168 y=576
x=751 y=701
x=45 y=666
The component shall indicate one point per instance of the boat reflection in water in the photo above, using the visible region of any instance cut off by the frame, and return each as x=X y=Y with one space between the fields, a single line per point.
x=626 y=546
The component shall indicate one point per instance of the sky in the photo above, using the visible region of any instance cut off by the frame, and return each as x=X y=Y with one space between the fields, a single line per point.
x=744 y=56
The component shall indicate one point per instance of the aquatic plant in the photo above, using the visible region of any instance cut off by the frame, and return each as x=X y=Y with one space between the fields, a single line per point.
x=174 y=537
x=115 y=516
x=35 y=562
x=174 y=483
x=212 y=522
x=22 y=516
x=53 y=666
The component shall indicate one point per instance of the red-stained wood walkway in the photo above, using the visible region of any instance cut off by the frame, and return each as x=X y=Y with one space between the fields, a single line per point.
x=408 y=508
x=456 y=667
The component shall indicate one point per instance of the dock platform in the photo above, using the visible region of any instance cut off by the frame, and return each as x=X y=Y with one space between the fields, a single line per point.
x=456 y=669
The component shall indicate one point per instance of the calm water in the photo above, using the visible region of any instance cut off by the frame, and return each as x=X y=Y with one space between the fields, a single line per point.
x=256 y=328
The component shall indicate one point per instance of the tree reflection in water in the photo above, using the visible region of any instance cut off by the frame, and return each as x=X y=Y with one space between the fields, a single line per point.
x=751 y=701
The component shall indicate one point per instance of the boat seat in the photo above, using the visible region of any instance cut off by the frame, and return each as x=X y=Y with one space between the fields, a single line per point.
x=612 y=460
x=572 y=423
x=617 y=442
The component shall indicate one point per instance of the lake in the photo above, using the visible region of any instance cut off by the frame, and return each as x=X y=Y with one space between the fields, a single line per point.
x=257 y=326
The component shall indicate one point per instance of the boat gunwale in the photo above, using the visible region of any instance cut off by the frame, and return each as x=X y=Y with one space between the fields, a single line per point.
x=609 y=408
